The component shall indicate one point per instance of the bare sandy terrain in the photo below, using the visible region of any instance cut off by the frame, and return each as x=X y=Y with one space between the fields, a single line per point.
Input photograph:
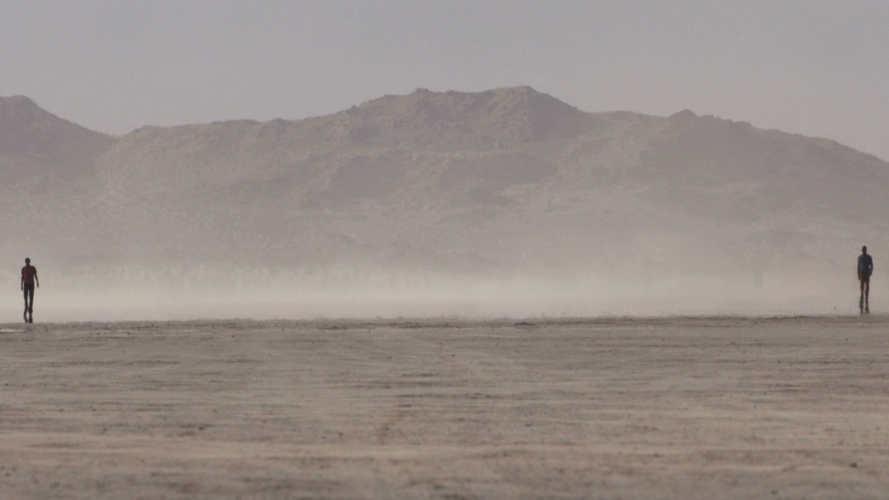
x=684 y=408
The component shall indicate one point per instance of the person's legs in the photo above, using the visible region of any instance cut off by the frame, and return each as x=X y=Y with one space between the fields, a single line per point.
x=861 y=281
x=29 y=300
x=867 y=292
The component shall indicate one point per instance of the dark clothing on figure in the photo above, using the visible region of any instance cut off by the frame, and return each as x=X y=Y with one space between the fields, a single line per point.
x=29 y=297
x=865 y=265
x=28 y=274
x=29 y=280
x=865 y=269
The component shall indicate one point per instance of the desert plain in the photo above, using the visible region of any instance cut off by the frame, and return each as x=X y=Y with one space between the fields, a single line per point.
x=607 y=408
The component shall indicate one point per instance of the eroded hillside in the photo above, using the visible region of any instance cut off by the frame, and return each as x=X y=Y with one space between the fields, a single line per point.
x=499 y=183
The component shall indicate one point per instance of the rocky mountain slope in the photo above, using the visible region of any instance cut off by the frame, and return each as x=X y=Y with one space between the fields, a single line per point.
x=47 y=182
x=502 y=182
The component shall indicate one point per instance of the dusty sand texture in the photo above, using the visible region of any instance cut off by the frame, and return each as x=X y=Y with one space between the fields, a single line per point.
x=660 y=408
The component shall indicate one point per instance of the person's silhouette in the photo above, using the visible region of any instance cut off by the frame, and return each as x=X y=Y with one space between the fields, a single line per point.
x=29 y=279
x=865 y=269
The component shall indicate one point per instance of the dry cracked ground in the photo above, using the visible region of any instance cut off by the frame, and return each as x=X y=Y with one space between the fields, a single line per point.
x=688 y=408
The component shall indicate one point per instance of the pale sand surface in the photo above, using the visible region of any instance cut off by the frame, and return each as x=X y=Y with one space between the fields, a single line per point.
x=689 y=408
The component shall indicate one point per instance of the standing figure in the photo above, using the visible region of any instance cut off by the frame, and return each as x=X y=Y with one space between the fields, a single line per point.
x=29 y=279
x=865 y=269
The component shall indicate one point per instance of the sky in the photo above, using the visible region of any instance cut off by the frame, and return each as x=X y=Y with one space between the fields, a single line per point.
x=818 y=68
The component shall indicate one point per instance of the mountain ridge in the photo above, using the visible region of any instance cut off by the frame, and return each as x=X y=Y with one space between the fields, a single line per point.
x=501 y=181
x=27 y=129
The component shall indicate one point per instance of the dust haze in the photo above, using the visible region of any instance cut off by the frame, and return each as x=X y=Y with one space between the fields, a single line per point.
x=502 y=203
x=149 y=294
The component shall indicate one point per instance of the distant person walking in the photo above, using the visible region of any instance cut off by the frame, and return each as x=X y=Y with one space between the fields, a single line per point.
x=29 y=279
x=865 y=269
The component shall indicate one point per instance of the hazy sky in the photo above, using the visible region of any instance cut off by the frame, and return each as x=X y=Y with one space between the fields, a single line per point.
x=813 y=67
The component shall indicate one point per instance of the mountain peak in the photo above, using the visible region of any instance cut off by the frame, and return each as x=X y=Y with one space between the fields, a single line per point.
x=684 y=115
x=497 y=117
x=21 y=110
x=26 y=129
x=17 y=101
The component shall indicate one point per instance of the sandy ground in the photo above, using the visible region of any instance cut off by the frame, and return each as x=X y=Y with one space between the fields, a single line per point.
x=686 y=408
